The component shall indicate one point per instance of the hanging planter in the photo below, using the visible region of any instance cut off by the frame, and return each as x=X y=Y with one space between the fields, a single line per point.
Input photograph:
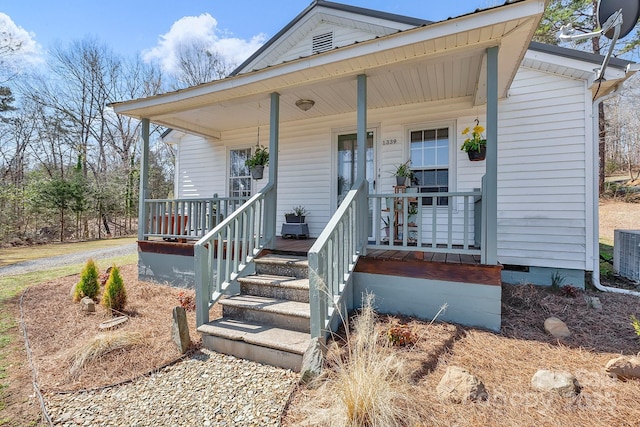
x=476 y=156
x=475 y=145
x=257 y=171
x=257 y=162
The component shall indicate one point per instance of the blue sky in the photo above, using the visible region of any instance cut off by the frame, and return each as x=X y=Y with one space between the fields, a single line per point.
x=145 y=26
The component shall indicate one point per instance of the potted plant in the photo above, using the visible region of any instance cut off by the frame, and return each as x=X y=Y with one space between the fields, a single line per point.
x=403 y=172
x=296 y=216
x=258 y=161
x=475 y=145
x=412 y=211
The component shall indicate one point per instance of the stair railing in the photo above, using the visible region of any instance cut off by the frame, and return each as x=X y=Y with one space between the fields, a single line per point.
x=332 y=260
x=226 y=251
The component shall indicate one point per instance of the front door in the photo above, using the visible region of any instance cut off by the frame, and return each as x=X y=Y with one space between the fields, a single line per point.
x=348 y=165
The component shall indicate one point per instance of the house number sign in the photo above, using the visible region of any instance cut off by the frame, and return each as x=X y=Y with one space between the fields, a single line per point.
x=391 y=141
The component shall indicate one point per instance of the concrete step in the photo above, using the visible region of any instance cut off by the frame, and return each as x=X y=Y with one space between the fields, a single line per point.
x=279 y=313
x=283 y=265
x=279 y=287
x=255 y=341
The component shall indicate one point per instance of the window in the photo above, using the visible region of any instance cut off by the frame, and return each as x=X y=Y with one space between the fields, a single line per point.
x=239 y=175
x=430 y=162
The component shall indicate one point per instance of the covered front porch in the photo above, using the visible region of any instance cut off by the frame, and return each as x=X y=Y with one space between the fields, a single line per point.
x=440 y=76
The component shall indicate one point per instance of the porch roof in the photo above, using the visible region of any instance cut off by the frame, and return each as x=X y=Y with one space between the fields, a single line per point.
x=440 y=62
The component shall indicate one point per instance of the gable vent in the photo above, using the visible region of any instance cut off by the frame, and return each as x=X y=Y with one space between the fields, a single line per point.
x=322 y=43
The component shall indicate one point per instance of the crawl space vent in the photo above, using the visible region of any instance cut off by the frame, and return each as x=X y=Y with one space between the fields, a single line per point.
x=626 y=254
x=322 y=42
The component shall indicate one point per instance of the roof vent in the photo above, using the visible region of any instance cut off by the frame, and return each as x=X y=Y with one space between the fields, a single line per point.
x=322 y=42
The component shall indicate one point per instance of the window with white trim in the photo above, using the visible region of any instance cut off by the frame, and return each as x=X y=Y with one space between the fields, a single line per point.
x=239 y=175
x=430 y=162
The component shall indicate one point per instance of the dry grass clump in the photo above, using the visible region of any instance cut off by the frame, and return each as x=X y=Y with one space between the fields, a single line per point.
x=366 y=384
x=100 y=345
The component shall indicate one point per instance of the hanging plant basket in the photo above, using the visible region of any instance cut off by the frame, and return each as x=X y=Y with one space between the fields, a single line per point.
x=476 y=156
x=257 y=171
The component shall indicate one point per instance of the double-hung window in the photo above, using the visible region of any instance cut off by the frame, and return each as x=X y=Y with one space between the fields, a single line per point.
x=239 y=174
x=430 y=162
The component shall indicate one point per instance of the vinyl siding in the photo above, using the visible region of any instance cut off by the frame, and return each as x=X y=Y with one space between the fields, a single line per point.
x=542 y=179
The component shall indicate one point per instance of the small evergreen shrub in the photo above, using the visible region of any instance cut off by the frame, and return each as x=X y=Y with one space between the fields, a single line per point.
x=636 y=324
x=88 y=285
x=115 y=295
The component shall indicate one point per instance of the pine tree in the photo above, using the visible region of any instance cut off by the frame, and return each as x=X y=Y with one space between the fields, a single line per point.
x=115 y=295
x=88 y=285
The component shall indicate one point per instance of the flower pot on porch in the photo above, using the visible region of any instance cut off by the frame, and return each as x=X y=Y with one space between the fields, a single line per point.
x=257 y=171
x=476 y=156
x=401 y=180
x=294 y=219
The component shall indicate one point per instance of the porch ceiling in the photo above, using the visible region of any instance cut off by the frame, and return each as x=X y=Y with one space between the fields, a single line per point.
x=435 y=63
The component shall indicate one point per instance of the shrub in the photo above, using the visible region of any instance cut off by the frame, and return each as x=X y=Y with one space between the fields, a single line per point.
x=88 y=284
x=115 y=295
x=401 y=335
x=186 y=301
x=636 y=324
x=570 y=291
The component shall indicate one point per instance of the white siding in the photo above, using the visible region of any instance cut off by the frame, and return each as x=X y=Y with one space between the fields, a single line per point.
x=542 y=178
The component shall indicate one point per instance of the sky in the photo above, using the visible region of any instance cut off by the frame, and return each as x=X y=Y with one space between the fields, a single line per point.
x=152 y=28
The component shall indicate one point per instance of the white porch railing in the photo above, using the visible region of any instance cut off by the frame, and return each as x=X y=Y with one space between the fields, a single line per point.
x=224 y=252
x=450 y=223
x=332 y=259
x=187 y=218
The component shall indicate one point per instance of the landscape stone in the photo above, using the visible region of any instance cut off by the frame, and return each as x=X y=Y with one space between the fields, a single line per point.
x=556 y=327
x=180 y=329
x=313 y=360
x=112 y=323
x=565 y=384
x=88 y=305
x=623 y=367
x=459 y=385
x=594 y=302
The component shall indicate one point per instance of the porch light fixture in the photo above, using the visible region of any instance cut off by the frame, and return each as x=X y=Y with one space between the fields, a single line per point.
x=305 y=104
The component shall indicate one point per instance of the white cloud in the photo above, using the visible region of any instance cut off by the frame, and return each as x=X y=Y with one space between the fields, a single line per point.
x=18 y=48
x=201 y=28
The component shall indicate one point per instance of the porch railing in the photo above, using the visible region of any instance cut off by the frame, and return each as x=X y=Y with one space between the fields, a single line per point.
x=187 y=218
x=225 y=252
x=332 y=259
x=443 y=222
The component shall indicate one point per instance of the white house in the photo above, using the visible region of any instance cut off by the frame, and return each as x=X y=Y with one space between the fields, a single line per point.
x=381 y=90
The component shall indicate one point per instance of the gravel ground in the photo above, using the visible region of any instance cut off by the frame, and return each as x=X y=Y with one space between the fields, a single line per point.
x=69 y=259
x=208 y=389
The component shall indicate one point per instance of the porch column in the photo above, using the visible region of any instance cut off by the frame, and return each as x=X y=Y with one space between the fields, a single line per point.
x=491 y=190
x=144 y=180
x=274 y=136
x=362 y=128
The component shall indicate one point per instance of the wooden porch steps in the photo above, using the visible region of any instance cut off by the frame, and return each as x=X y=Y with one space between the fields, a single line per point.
x=268 y=322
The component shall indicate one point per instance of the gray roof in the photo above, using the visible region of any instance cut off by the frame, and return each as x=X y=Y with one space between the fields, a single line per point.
x=416 y=22
x=577 y=54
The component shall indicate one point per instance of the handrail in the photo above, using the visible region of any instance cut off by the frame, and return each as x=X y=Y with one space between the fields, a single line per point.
x=187 y=218
x=438 y=227
x=333 y=257
x=228 y=249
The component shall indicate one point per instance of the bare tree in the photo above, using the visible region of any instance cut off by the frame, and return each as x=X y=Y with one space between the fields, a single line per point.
x=198 y=63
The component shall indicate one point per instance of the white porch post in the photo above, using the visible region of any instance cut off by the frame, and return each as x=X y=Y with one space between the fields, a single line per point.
x=271 y=202
x=144 y=179
x=491 y=191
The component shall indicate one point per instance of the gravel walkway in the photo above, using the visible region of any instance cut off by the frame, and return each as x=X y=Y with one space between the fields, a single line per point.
x=69 y=259
x=208 y=389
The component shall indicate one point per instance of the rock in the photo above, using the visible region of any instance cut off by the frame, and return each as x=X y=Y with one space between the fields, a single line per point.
x=88 y=305
x=556 y=327
x=594 y=302
x=180 y=329
x=313 y=360
x=458 y=385
x=623 y=367
x=112 y=323
x=565 y=384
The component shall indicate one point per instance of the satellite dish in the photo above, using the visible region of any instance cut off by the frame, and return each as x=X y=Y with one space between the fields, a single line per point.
x=630 y=10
